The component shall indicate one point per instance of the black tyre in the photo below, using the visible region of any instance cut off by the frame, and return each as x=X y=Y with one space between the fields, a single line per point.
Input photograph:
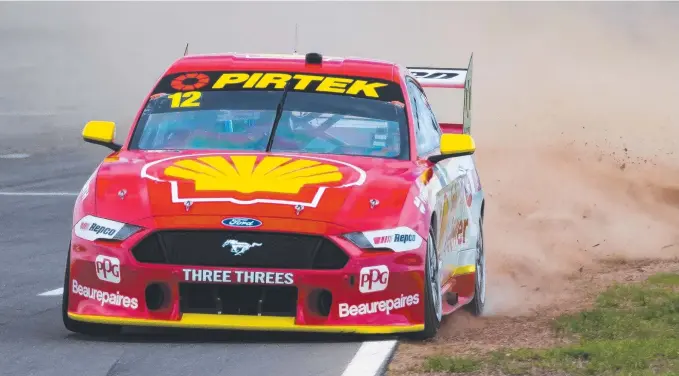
x=478 y=303
x=432 y=292
x=79 y=326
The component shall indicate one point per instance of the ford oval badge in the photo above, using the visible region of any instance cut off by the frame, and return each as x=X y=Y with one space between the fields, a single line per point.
x=241 y=222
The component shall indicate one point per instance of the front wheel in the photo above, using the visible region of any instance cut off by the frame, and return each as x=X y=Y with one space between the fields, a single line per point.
x=433 y=310
x=79 y=326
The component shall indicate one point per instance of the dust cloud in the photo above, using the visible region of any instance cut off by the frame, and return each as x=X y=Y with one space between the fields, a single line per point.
x=575 y=107
x=578 y=131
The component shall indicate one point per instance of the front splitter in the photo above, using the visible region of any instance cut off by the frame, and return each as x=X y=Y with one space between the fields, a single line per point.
x=238 y=322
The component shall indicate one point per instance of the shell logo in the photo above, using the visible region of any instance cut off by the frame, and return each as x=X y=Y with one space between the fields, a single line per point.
x=243 y=173
x=252 y=178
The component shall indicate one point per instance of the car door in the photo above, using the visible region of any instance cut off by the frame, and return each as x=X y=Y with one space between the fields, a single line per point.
x=452 y=193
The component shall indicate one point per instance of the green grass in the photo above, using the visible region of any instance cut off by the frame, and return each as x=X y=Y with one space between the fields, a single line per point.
x=452 y=365
x=633 y=329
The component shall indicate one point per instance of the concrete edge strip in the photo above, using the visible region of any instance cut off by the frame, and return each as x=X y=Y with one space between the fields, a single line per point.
x=371 y=359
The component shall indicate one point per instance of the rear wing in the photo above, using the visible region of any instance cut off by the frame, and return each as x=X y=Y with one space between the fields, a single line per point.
x=450 y=78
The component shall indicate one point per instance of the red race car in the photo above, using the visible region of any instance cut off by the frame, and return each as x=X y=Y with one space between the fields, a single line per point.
x=283 y=193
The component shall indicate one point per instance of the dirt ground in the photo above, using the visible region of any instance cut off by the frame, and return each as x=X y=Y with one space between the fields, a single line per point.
x=463 y=334
x=577 y=129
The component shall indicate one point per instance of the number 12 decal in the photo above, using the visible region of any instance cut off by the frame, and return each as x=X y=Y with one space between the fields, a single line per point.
x=190 y=99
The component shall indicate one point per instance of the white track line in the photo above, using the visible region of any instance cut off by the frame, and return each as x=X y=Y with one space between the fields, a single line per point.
x=55 y=292
x=371 y=358
x=38 y=194
x=14 y=156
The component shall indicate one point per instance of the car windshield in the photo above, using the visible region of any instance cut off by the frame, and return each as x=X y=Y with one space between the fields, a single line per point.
x=238 y=119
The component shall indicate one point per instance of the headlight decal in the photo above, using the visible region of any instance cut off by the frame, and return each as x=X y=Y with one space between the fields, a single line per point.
x=400 y=239
x=94 y=228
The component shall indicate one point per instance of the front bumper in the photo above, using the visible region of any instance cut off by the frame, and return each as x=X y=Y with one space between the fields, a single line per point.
x=108 y=285
x=254 y=323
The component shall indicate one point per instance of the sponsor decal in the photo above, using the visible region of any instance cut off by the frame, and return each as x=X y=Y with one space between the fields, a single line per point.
x=361 y=87
x=241 y=222
x=104 y=297
x=405 y=238
x=382 y=239
x=244 y=174
x=373 y=278
x=188 y=99
x=455 y=198
x=435 y=74
x=98 y=229
x=92 y=228
x=238 y=276
x=108 y=268
x=190 y=81
x=400 y=239
x=238 y=248
x=250 y=178
x=441 y=76
x=382 y=306
x=460 y=231
x=467 y=185
x=445 y=226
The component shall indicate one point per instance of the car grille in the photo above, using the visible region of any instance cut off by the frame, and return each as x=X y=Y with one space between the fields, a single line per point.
x=205 y=248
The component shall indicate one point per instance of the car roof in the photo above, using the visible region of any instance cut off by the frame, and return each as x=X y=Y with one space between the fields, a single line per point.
x=348 y=66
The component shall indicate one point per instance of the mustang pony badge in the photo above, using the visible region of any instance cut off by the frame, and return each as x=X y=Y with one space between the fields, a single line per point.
x=250 y=178
x=238 y=248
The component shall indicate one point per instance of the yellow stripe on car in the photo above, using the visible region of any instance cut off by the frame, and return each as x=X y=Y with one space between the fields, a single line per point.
x=237 y=322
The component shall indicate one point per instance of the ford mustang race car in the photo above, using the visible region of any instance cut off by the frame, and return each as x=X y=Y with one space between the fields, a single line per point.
x=281 y=193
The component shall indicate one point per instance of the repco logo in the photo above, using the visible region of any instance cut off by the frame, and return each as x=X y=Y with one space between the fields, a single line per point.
x=101 y=230
x=373 y=278
x=108 y=268
x=404 y=238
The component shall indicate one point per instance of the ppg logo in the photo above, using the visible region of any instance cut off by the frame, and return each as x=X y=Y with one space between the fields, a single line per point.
x=108 y=268
x=373 y=278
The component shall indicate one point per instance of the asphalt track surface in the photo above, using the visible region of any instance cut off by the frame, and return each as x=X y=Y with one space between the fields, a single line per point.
x=58 y=68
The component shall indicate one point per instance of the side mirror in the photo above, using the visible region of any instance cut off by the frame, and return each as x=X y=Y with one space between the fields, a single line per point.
x=101 y=133
x=454 y=145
